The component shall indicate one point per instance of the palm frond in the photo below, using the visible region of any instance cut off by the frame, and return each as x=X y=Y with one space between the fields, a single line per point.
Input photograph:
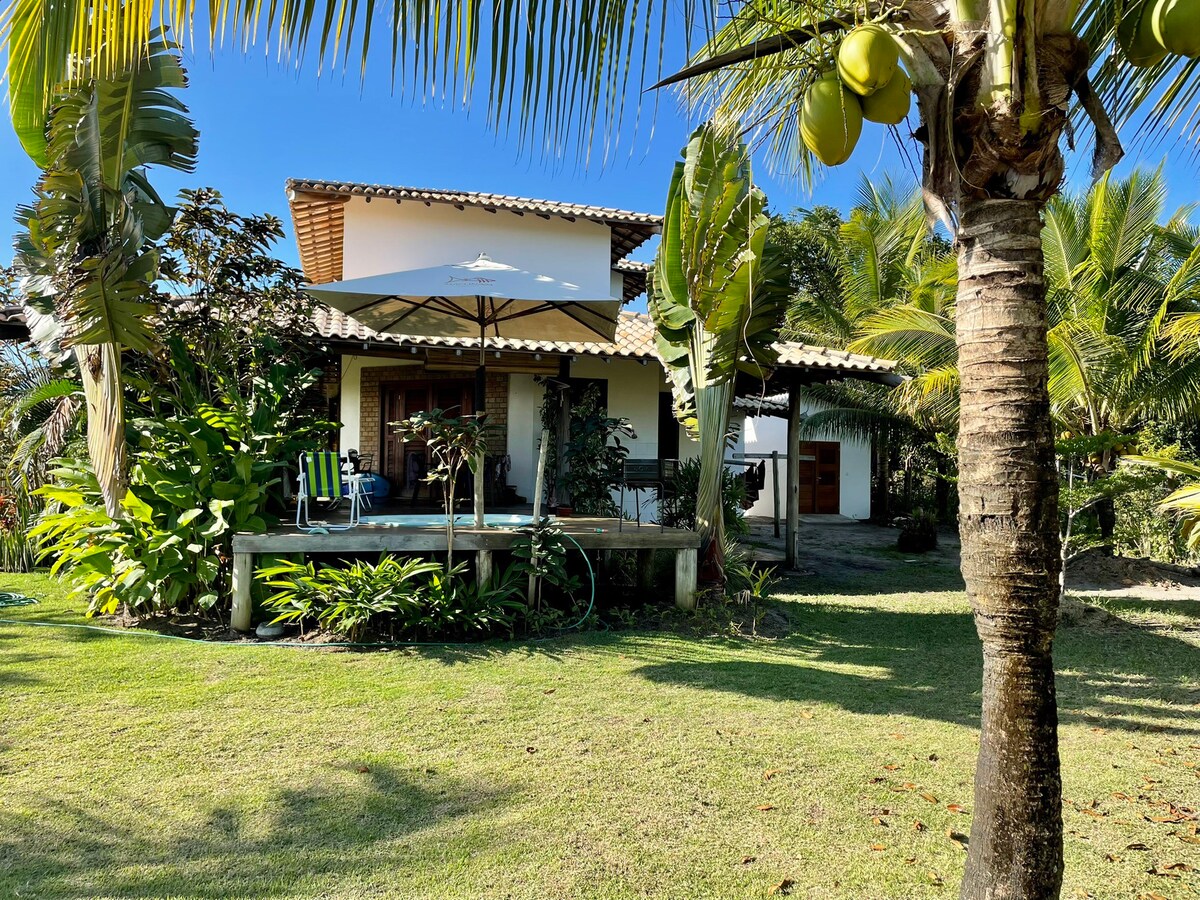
x=551 y=69
x=919 y=338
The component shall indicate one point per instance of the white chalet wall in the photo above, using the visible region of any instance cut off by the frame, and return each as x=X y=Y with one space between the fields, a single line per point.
x=763 y=434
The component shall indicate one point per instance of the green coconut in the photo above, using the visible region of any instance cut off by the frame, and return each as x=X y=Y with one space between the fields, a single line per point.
x=1176 y=25
x=867 y=59
x=1135 y=36
x=830 y=121
x=890 y=104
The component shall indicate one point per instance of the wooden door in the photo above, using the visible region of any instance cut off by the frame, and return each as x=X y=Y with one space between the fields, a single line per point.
x=820 y=477
x=405 y=463
x=829 y=477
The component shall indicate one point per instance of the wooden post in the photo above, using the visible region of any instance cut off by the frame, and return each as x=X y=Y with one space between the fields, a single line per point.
x=645 y=570
x=563 y=435
x=483 y=567
x=539 y=483
x=793 y=477
x=243 y=574
x=686 y=574
x=775 y=488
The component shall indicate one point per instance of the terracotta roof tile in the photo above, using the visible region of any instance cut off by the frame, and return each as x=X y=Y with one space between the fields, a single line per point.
x=635 y=340
x=606 y=214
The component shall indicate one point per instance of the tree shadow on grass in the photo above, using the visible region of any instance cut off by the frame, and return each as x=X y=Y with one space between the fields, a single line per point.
x=929 y=665
x=321 y=833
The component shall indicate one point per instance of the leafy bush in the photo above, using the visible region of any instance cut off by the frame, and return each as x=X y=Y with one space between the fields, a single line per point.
x=679 y=511
x=918 y=532
x=345 y=601
x=16 y=551
x=404 y=599
x=223 y=407
x=458 y=607
x=594 y=453
x=195 y=481
x=540 y=552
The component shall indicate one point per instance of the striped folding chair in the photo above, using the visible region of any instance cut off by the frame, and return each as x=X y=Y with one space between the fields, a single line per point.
x=321 y=479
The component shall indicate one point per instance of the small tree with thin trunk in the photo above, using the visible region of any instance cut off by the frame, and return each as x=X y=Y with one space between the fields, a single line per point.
x=453 y=442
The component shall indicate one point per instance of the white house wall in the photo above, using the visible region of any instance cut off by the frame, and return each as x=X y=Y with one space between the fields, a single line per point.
x=383 y=236
x=350 y=437
x=524 y=431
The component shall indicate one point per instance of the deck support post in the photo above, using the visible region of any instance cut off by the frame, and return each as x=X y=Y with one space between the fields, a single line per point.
x=686 y=574
x=645 y=570
x=243 y=574
x=483 y=567
x=793 y=477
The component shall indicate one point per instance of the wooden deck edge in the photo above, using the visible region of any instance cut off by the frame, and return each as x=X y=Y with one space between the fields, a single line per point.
x=367 y=539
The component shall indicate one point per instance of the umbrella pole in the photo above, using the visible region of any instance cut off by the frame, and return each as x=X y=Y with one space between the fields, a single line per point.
x=480 y=407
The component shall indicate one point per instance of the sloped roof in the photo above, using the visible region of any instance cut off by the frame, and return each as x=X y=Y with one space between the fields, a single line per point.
x=635 y=340
x=318 y=215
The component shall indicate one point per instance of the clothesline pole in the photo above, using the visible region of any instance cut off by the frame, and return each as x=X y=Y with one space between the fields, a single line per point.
x=775 y=489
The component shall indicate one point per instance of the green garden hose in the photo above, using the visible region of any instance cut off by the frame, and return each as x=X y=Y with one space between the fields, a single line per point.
x=9 y=598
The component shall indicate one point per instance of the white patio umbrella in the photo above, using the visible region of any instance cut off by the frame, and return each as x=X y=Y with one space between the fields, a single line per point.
x=480 y=299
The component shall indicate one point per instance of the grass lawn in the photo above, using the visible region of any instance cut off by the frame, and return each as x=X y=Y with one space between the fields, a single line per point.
x=593 y=766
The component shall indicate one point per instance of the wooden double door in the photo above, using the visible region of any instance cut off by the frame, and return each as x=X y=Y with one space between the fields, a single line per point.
x=820 y=477
x=404 y=463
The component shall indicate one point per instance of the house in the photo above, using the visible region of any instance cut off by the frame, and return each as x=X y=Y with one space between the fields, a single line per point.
x=352 y=230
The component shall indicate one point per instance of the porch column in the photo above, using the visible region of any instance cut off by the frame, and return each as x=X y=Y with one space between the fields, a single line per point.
x=561 y=495
x=793 y=477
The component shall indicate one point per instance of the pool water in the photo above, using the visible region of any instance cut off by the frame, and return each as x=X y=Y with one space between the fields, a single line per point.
x=496 y=520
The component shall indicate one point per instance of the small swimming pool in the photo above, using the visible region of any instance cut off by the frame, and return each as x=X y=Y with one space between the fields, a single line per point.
x=494 y=520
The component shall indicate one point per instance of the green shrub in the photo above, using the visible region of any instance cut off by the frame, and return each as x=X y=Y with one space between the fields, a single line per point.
x=218 y=412
x=196 y=478
x=918 y=532
x=594 y=454
x=346 y=601
x=407 y=599
x=679 y=510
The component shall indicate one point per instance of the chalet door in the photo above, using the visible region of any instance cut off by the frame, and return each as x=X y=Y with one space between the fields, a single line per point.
x=820 y=477
x=405 y=463
x=829 y=477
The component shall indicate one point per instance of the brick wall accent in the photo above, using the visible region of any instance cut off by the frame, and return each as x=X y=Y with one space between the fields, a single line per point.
x=371 y=416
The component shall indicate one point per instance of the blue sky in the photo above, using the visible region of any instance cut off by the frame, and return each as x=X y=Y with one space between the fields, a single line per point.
x=261 y=123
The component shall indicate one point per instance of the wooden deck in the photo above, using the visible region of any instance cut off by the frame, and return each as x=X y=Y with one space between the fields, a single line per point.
x=589 y=533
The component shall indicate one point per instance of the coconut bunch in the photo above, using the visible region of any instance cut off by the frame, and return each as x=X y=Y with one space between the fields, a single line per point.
x=868 y=83
x=1151 y=30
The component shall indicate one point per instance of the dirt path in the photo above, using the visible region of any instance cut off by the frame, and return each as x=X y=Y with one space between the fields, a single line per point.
x=1101 y=591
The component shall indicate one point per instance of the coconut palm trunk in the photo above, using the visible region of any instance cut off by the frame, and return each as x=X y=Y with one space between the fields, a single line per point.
x=1008 y=520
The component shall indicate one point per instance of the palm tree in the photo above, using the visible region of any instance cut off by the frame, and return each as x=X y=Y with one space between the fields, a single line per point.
x=1122 y=305
x=717 y=305
x=883 y=264
x=1184 y=501
x=88 y=253
x=996 y=83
